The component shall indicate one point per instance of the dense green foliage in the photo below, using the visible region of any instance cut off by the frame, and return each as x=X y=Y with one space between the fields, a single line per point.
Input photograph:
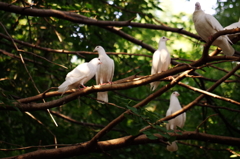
x=18 y=129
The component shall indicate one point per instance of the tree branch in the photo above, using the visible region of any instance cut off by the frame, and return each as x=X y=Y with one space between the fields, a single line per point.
x=209 y=94
x=80 y=149
x=76 y=18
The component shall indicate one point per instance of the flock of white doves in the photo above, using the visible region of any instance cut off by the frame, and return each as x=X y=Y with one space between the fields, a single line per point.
x=103 y=66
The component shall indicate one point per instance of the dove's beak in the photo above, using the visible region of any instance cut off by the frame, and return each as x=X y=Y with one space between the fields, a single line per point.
x=167 y=39
x=94 y=50
x=177 y=94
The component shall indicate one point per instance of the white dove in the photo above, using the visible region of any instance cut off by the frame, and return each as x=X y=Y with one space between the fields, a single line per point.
x=160 y=61
x=177 y=121
x=233 y=26
x=104 y=73
x=80 y=75
x=206 y=25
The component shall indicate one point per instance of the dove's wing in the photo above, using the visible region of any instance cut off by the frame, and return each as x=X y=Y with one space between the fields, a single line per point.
x=106 y=70
x=169 y=112
x=233 y=25
x=165 y=59
x=98 y=75
x=71 y=78
x=79 y=75
x=213 y=22
x=156 y=68
x=111 y=74
x=223 y=41
x=184 y=119
x=80 y=72
x=156 y=64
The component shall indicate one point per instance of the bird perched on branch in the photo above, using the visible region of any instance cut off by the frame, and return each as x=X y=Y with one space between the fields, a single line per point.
x=160 y=61
x=80 y=75
x=178 y=121
x=206 y=25
x=233 y=26
x=104 y=73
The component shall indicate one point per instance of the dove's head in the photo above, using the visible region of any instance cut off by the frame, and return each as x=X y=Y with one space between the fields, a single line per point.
x=98 y=48
x=197 y=6
x=175 y=93
x=95 y=61
x=164 y=39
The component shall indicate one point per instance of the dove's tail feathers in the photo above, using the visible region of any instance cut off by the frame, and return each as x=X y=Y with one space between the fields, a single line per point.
x=228 y=50
x=172 y=147
x=64 y=86
x=154 y=85
x=226 y=47
x=103 y=96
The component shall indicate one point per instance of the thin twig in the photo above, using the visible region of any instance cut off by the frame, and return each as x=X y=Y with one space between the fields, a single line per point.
x=54 y=136
x=30 y=147
x=197 y=129
x=209 y=94
x=217 y=107
x=9 y=36
x=69 y=119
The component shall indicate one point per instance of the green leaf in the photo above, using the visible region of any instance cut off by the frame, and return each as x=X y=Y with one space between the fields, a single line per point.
x=150 y=135
x=134 y=110
x=166 y=135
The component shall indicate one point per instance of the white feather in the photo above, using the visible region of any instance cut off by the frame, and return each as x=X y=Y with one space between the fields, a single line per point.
x=160 y=61
x=104 y=73
x=178 y=121
x=233 y=26
x=206 y=25
x=79 y=75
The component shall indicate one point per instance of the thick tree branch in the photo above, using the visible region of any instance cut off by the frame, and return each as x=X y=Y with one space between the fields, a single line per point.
x=62 y=51
x=88 y=90
x=76 y=18
x=80 y=149
x=97 y=88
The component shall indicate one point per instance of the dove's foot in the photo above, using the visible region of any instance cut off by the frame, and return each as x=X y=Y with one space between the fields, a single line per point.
x=209 y=39
x=83 y=87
